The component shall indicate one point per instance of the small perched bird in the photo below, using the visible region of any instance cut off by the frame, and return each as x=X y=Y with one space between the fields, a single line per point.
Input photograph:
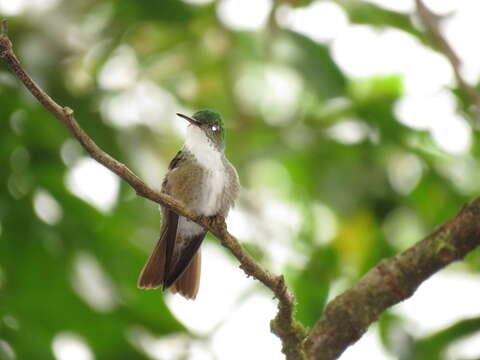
x=201 y=177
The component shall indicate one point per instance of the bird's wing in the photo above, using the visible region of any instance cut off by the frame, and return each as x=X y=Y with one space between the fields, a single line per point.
x=169 y=237
x=159 y=262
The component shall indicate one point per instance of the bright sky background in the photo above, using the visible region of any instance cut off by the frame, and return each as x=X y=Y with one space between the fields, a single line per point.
x=426 y=105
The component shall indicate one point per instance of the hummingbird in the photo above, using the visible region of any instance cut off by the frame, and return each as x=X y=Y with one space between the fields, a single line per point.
x=201 y=177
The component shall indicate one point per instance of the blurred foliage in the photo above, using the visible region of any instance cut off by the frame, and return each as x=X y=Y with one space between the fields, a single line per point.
x=366 y=13
x=358 y=188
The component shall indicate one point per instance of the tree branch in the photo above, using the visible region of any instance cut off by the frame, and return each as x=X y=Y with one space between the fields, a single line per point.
x=284 y=325
x=431 y=22
x=347 y=317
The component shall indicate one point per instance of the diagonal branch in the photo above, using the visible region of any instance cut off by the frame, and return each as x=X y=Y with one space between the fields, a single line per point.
x=431 y=22
x=284 y=325
x=348 y=316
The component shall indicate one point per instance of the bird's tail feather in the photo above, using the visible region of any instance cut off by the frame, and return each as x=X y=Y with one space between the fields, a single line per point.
x=152 y=274
x=188 y=283
x=189 y=268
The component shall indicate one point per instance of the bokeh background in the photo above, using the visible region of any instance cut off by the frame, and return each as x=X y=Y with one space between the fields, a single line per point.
x=349 y=133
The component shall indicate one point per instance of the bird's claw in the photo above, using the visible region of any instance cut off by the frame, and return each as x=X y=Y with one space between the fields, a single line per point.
x=210 y=220
x=200 y=218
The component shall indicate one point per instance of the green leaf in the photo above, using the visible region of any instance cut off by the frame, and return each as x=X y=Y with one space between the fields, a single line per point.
x=313 y=283
x=362 y=12
x=431 y=347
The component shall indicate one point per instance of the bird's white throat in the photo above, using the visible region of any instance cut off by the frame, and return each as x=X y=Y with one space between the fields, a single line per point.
x=211 y=159
x=202 y=147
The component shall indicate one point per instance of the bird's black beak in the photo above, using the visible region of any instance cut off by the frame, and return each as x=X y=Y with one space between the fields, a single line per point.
x=189 y=119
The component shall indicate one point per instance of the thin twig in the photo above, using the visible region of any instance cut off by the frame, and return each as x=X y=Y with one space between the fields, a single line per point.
x=431 y=22
x=284 y=325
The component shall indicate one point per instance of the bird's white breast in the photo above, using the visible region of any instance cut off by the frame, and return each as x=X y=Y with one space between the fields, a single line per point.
x=211 y=159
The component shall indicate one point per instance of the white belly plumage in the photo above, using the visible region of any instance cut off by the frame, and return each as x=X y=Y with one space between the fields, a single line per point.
x=213 y=183
x=209 y=203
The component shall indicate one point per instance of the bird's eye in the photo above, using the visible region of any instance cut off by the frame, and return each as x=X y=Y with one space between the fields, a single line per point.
x=214 y=127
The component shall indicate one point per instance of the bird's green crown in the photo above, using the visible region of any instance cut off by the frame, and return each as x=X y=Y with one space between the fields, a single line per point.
x=210 y=117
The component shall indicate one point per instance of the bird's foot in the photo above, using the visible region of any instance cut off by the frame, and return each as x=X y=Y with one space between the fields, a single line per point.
x=202 y=218
x=211 y=220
